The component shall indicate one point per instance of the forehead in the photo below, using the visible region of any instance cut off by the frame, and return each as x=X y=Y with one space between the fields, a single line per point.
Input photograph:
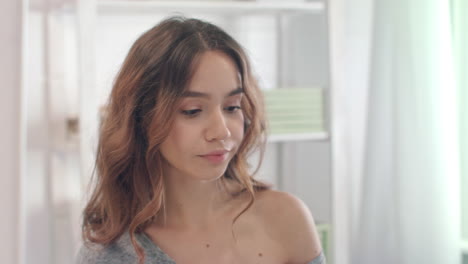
x=215 y=72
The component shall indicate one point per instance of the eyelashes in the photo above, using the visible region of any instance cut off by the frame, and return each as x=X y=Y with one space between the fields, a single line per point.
x=194 y=112
x=191 y=112
x=232 y=109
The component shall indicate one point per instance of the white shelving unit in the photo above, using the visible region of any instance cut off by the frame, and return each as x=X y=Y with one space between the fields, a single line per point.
x=226 y=7
x=283 y=146
x=464 y=247
x=320 y=136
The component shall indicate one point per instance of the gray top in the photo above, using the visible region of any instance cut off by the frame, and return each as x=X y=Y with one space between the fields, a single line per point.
x=122 y=252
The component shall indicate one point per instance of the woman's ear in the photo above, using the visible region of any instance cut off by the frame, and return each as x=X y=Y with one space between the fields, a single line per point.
x=246 y=124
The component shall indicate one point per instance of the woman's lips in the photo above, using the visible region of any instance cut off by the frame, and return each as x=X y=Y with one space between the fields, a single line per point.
x=216 y=156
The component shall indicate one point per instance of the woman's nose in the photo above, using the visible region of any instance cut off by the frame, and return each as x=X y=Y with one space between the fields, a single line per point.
x=217 y=128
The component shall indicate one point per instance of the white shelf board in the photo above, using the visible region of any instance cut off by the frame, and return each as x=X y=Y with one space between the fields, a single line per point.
x=464 y=247
x=156 y=6
x=319 y=136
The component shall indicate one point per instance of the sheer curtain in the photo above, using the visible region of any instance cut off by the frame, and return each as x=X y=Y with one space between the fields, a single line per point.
x=460 y=37
x=409 y=208
x=399 y=136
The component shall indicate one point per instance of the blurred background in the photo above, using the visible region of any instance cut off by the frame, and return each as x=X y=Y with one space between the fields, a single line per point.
x=367 y=105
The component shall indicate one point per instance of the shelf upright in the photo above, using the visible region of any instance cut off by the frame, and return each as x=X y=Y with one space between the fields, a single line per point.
x=87 y=17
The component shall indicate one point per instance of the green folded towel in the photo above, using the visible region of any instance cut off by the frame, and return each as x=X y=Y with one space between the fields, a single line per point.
x=294 y=110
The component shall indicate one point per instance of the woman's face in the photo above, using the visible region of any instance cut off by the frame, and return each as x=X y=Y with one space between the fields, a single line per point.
x=209 y=124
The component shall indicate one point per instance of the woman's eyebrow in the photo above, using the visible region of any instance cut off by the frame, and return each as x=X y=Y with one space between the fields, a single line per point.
x=238 y=90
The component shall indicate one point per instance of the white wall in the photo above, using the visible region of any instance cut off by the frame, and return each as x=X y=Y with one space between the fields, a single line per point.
x=10 y=136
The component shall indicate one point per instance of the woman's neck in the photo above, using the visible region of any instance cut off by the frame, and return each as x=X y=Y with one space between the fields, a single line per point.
x=195 y=204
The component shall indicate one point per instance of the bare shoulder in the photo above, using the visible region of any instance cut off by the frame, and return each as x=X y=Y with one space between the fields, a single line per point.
x=291 y=223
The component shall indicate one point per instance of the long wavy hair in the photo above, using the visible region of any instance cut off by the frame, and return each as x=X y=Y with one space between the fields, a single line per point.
x=128 y=191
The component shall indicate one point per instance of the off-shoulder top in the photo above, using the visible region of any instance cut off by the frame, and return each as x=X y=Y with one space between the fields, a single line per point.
x=122 y=252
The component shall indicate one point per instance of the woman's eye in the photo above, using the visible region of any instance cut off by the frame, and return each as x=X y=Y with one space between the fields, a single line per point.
x=232 y=109
x=191 y=112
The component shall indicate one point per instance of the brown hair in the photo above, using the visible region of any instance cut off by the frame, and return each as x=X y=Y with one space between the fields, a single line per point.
x=129 y=187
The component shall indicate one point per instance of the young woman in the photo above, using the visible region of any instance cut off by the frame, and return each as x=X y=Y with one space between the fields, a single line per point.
x=173 y=183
